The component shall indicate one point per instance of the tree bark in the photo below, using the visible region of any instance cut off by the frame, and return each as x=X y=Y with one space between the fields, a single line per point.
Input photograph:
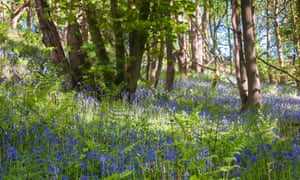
x=254 y=91
x=96 y=35
x=30 y=16
x=160 y=63
x=271 y=76
x=83 y=23
x=197 y=42
x=182 y=54
x=277 y=32
x=119 y=41
x=102 y=56
x=296 y=33
x=77 y=58
x=137 y=41
x=171 y=62
x=50 y=35
x=241 y=74
x=229 y=38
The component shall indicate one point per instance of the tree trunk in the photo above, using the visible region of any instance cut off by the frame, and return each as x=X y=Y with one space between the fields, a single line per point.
x=50 y=35
x=119 y=42
x=271 y=76
x=137 y=41
x=77 y=58
x=204 y=33
x=170 y=65
x=83 y=23
x=277 y=32
x=30 y=16
x=160 y=63
x=229 y=38
x=296 y=36
x=197 y=42
x=241 y=74
x=96 y=35
x=298 y=22
x=182 y=55
x=101 y=53
x=254 y=91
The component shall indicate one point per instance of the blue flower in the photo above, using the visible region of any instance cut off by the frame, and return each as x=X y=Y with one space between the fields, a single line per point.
x=84 y=177
x=12 y=153
x=83 y=166
x=53 y=170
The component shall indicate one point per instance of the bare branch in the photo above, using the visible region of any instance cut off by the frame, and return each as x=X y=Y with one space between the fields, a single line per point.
x=279 y=69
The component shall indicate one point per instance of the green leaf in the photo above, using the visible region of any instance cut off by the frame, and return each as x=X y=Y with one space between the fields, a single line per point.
x=82 y=156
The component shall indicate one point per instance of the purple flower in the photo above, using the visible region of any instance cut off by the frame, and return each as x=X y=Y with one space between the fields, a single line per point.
x=84 y=177
x=64 y=177
x=54 y=170
x=12 y=153
x=75 y=117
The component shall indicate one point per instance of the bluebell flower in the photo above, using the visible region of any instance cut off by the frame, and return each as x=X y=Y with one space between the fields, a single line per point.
x=186 y=175
x=1 y=172
x=64 y=177
x=53 y=170
x=84 y=177
x=83 y=166
x=59 y=157
x=75 y=117
x=12 y=153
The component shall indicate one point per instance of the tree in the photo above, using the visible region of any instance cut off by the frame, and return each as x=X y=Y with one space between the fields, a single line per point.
x=254 y=90
x=50 y=37
x=240 y=65
x=119 y=41
x=171 y=61
x=197 y=41
x=277 y=32
x=137 y=39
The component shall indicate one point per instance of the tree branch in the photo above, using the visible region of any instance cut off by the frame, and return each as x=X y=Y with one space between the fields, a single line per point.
x=279 y=69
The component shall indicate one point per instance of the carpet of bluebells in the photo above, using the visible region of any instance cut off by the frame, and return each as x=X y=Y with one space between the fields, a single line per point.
x=193 y=132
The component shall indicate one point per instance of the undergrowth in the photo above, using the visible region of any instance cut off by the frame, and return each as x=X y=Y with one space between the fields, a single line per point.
x=50 y=132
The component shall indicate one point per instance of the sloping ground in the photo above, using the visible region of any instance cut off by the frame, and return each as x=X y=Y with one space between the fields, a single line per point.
x=193 y=132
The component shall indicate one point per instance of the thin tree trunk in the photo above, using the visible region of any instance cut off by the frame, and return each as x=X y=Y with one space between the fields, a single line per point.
x=30 y=16
x=229 y=38
x=296 y=37
x=271 y=76
x=254 y=90
x=197 y=42
x=119 y=42
x=153 y=63
x=204 y=33
x=160 y=62
x=241 y=74
x=298 y=22
x=171 y=62
x=182 y=54
x=277 y=32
